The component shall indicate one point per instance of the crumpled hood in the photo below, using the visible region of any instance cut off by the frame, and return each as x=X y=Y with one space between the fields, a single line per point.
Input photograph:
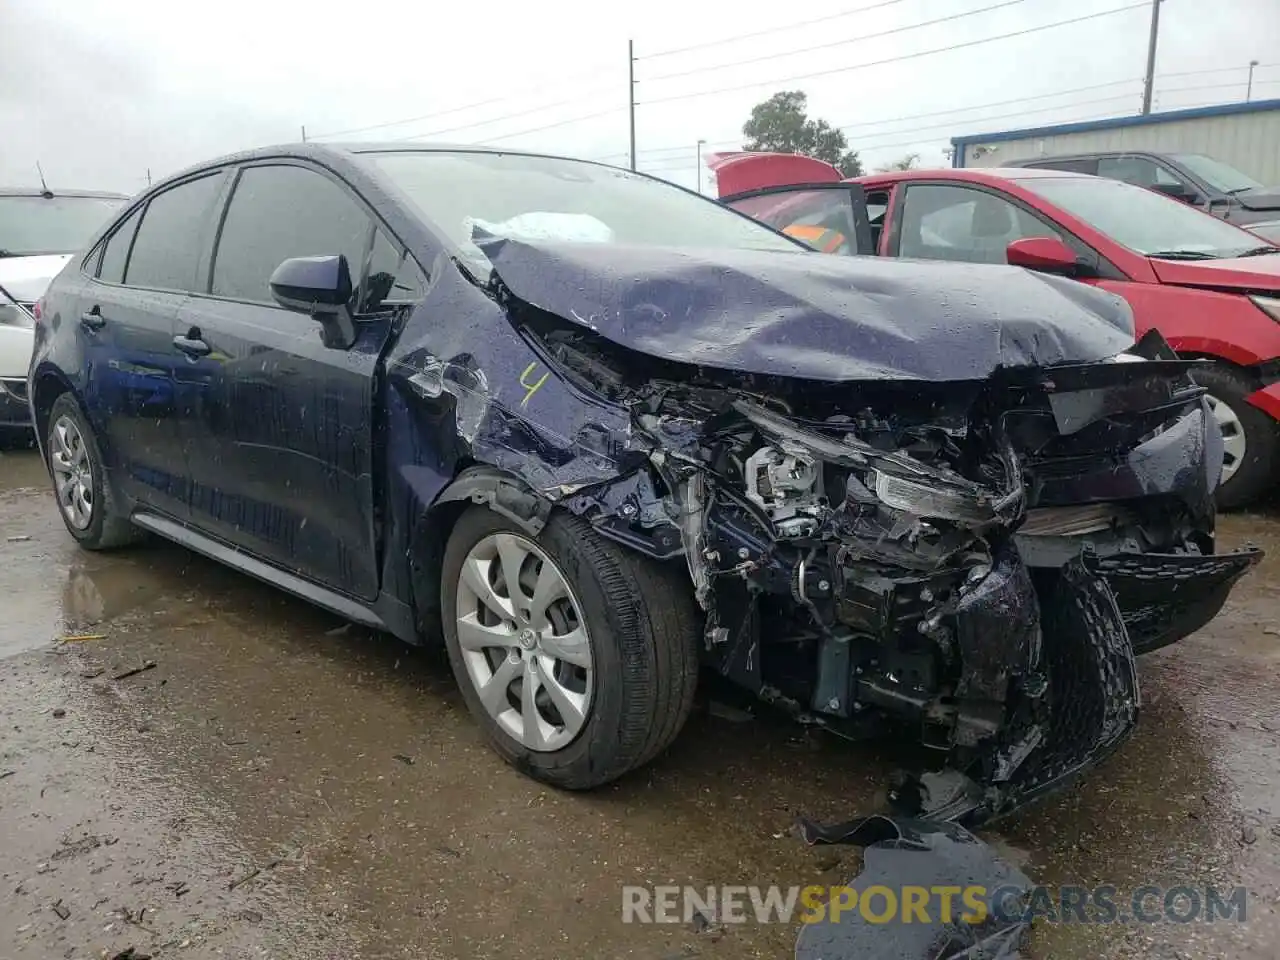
x=813 y=316
x=26 y=278
x=1265 y=198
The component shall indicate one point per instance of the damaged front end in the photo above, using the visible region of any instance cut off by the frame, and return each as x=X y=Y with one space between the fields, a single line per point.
x=968 y=562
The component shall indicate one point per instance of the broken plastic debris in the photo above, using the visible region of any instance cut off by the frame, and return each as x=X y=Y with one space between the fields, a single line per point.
x=903 y=853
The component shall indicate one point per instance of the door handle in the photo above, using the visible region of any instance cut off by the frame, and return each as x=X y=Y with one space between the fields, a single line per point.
x=92 y=319
x=192 y=346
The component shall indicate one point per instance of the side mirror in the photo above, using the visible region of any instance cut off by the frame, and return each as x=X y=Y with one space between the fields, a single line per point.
x=1048 y=254
x=321 y=288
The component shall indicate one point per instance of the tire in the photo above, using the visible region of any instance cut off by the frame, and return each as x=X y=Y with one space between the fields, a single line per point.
x=642 y=628
x=1249 y=437
x=105 y=526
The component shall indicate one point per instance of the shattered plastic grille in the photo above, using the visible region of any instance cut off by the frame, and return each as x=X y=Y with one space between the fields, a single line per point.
x=1093 y=683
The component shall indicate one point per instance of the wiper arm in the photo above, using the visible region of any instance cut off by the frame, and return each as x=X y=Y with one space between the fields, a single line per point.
x=1183 y=255
x=1259 y=251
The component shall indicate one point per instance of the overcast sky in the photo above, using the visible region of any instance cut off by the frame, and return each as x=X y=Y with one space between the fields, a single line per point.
x=101 y=92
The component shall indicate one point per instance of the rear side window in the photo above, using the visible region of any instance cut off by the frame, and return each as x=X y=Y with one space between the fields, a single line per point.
x=280 y=212
x=166 y=251
x=117 y=250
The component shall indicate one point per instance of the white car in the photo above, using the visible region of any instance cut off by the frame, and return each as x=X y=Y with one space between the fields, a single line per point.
x=39 y=232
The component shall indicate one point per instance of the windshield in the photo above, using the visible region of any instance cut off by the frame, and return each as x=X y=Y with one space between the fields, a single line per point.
x=1143 y=220
x=1217 y=174
x=35 y=224
x=469 y=194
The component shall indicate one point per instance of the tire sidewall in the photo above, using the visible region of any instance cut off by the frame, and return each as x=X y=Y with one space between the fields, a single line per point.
x=610 y=667
x=1262 y=437
x=66 y=406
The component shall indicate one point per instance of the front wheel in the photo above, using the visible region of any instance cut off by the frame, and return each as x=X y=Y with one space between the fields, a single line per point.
x=1249 y=437
x=577 y=658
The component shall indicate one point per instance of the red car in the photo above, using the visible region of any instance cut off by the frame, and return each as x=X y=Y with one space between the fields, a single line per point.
x=1212 y=289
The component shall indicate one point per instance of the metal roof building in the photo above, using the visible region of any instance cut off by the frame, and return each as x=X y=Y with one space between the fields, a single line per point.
x=1244 y=135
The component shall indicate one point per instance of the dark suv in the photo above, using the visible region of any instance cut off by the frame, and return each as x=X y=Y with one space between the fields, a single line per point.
x=1193 y=178
x=593 y=430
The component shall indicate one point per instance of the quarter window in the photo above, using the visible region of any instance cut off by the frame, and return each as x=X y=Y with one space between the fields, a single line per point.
x=393 y=277
x=280 y=212
x=117 y=249
x=166 y=252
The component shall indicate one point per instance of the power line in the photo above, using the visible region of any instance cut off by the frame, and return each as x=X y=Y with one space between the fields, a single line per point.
x=507 y=116
x=552 y=126
x=937 y=113
x=770 y=31
x=469 y=106
x=862 y=145
x=897 y=59
x=838 y=43
x=1193 y=73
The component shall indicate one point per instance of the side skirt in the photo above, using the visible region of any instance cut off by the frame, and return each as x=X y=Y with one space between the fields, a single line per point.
x=386 y=613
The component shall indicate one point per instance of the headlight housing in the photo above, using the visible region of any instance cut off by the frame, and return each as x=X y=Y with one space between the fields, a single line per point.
x=1268 y=305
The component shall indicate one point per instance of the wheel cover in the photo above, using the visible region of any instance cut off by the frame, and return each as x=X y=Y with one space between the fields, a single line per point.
x=72 y=472
x=1234 y=442
x=524 y=643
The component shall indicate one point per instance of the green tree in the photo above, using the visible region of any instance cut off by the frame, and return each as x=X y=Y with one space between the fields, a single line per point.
x=906 y=163
x=781 y=124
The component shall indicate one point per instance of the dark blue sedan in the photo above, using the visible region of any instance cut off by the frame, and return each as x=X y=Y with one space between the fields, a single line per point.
x=595 y=432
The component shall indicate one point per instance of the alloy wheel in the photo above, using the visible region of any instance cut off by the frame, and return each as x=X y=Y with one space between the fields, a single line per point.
x=1234 y=442
x=524 y=642
x=72 y=473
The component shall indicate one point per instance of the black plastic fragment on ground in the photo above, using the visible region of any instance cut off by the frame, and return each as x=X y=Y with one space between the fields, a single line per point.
x=919 y=853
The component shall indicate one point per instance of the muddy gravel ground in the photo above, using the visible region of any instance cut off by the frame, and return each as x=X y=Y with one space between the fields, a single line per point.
x=277 y=783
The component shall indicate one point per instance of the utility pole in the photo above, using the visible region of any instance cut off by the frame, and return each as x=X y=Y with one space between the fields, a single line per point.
x=148 y=176
x=304 y=133
x=1248 y=93
x=1149 y=81
x=699 y=168
x=631 y=96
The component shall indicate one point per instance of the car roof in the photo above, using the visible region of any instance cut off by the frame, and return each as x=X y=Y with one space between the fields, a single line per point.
x=36 y=192
x=991 y=175
x=351 y=152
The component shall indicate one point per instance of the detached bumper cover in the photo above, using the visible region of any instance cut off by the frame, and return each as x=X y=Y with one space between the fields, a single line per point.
x=1164 y=597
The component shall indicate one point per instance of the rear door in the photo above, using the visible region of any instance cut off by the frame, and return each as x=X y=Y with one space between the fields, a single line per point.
x=126 y=317
x=830 y=217
x=282 y=424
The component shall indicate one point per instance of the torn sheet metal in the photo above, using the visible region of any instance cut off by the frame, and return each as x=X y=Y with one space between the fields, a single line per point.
x=818 y=318
x=928 y=854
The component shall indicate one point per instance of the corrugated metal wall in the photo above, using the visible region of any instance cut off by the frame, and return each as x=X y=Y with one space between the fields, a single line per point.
x=1248 y=141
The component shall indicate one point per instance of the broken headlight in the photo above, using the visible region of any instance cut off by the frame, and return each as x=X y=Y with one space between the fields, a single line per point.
x=936 y=499
x=787 y=469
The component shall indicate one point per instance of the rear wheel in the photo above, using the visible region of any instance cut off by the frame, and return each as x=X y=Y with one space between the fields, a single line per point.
x=80 y=487
x=1249 y=437
x=577 y=658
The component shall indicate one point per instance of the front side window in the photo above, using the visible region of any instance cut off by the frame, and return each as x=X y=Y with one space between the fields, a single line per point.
x=821 y=218
x=33 y=225
x=466 y=195
x=1142 y=220
x=942 y=222
x=166 y=251
x=281 y=212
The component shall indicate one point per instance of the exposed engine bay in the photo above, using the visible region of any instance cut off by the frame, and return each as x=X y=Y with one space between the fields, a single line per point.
x=976 y=563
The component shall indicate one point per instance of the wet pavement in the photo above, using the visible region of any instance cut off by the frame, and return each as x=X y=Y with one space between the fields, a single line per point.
x=282 y=784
